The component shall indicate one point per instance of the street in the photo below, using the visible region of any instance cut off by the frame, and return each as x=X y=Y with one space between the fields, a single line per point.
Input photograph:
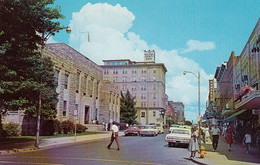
x=134 y=150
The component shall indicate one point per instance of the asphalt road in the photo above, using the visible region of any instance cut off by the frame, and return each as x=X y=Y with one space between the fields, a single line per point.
x=134 y=150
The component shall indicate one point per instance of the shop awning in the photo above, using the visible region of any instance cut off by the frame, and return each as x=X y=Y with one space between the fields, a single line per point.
x=235 y=114
x=227 y=112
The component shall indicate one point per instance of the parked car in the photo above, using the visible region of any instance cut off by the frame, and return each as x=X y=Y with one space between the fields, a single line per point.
x=178 y=136
x=158 y=126
x=132 y=130
x=149 y=130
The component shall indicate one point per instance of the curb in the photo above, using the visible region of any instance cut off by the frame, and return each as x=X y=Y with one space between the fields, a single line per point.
x=28 y=149
x=18 y=150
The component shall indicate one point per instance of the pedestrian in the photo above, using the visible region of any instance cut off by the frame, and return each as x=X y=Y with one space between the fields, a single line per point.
x=258 y=138
x=193 y=146
x=106 y=126
x=114 y=136
x=229 y=137
x=207 y=133
x=247 y=141
x=103 y=126
x=215 y=135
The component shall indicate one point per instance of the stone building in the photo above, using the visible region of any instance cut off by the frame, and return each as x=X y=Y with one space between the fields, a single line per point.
x=82 y=91
x=145 y=81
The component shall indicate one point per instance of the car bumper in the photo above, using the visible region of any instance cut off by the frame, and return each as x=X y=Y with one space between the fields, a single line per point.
x=131 y=133
x=177 y=141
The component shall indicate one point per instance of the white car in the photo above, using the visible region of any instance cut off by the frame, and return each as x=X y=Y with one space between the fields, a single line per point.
x=158 y=126
x=173 y=126
x=178 y=136
x=149 y=130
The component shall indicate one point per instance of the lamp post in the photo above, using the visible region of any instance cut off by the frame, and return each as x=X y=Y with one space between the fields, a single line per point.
x=198 y=77
x=44 y=39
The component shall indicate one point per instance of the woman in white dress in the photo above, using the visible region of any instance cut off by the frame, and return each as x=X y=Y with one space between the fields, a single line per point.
x=193 y=146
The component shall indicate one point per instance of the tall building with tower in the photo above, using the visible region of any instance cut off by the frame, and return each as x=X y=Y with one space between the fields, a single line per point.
x=145 y=81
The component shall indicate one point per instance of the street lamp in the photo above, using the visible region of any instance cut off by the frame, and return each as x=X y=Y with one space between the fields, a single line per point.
x=198 y=77
x=44 y=39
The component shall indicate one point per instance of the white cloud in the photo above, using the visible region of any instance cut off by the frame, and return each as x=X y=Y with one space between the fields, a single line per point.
x=198 y=45
x=110 y=38
x=51 y=40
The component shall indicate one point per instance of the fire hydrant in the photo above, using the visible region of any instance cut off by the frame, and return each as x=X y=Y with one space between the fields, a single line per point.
x=202 y=152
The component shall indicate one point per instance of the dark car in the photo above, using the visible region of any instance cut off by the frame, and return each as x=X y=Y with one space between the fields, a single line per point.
x=132 y=130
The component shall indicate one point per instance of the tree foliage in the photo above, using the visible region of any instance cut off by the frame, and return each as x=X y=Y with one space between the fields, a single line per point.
x=187 y=122
x=128 y=112
x=23 y=72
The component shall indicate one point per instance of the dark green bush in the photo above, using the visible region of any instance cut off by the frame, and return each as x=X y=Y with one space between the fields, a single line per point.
x=67 y=126
x=80 y=128
x=57 y=126
x=11 y=129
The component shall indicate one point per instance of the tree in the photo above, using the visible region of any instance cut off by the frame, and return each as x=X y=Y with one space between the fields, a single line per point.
x=23 y=72
x=187 y=122
x=128 y=112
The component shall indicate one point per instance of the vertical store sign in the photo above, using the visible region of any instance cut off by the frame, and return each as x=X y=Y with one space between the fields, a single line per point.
x=211 y=90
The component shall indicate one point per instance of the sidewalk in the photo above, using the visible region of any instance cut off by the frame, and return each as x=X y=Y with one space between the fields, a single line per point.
x=54 y=142
x=237 y=155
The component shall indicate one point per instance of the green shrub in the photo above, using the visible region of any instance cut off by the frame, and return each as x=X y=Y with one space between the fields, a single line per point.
x=11 y=129
x=67 y=126
x=80 y=128
x=57 y=126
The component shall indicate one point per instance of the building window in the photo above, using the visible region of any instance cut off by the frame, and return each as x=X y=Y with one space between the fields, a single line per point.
x=133 y=79
x=90 y=87
x=154 y=78
x=154 y=96
x=124 y=71
x=85 y=84
x=66 y=81
x=143 y=87
x=106 y=71
x=143 y=104
x=154 y=87
x=143 y=70
x=115 y=79
x=64 y=112
x=143 y=95
x=154 y=104
x=134 y=71
x=105 y=78
x=97 y=88
x=124 y=87
x=124 y=79
x=143 y=79
x=133 y=87
x=115 y=71
x=134 y=95
x=154 y=70
x=142 y=114
x=154 y=113
x=77 y=83
x=56 y=75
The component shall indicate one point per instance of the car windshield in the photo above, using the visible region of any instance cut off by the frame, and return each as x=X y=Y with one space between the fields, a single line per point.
x=132 y=128
x=175 y=126
x=179 y=131
x=148 y=127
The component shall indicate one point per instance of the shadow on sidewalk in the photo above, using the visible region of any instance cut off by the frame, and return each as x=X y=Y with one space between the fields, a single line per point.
x=237 y=153
x=16 y=143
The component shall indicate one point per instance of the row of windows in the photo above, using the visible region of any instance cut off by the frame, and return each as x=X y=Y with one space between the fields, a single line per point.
x=134 y=87
x=134 y=79
x=124 y=71
x=87 y=84
x=143 y=114
x=143 y=104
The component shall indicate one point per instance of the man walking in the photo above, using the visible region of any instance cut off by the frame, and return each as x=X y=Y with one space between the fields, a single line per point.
x=215 y=134
x=114 y=136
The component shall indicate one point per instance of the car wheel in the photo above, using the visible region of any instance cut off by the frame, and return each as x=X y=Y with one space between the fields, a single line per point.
x=169 y=144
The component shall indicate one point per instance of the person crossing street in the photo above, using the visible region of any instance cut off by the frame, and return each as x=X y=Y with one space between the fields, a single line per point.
x=114 y=136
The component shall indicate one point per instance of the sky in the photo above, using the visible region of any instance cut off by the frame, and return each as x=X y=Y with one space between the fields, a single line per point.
x=187 y=35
